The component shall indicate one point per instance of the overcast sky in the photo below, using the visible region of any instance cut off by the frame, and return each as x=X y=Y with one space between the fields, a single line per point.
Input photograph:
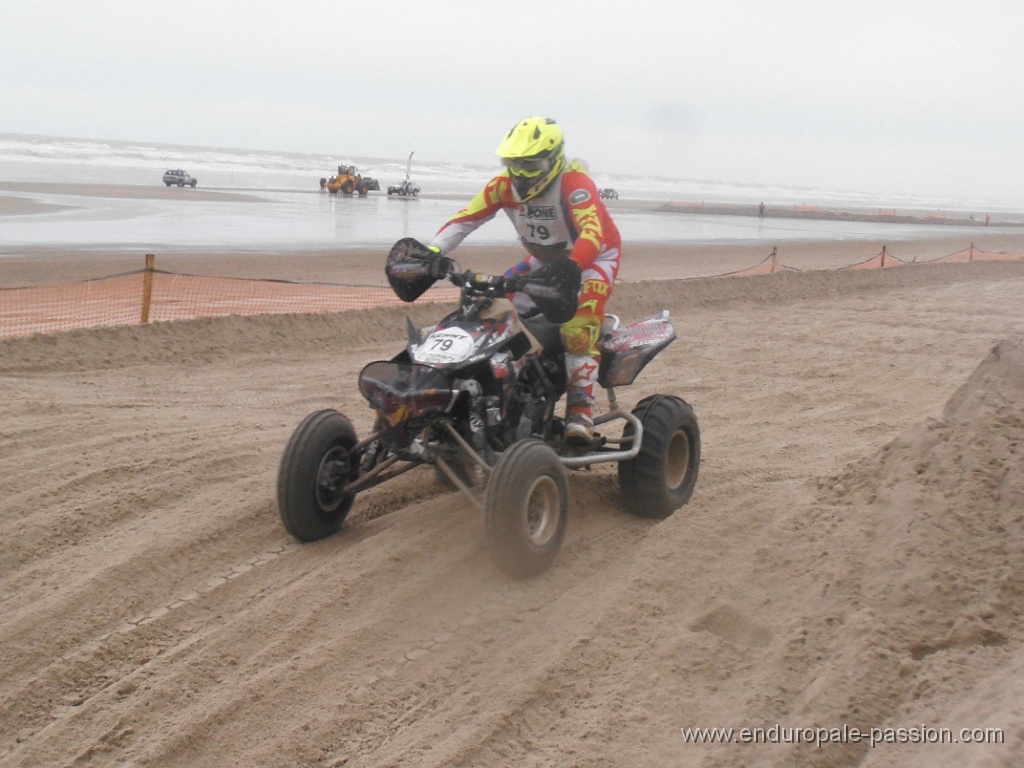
x=894 y=96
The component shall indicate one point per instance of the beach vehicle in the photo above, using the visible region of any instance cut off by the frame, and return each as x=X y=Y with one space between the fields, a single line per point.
x=475 y=397
x=406 y=187
x=608 y=193
x=403 y=189
x=348 y=180
x=180 y=178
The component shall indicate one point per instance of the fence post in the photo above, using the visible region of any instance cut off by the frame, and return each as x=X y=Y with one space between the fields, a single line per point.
x=970 y=253
x=883 y=256
x=775 y=250
x=147 y=286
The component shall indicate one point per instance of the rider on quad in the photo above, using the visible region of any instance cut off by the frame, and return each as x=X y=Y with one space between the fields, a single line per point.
x=557 y=212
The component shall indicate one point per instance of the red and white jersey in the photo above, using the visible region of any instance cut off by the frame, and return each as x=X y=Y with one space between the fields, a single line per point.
x=566 y=219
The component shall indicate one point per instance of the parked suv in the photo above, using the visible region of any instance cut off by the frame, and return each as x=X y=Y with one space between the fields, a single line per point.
x=178 y=177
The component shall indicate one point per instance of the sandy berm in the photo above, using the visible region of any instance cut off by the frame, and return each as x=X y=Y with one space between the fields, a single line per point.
x=852 y=553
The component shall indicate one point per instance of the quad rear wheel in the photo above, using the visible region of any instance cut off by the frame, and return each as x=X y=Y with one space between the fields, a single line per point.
x=317 y=464
x=662 y=476
x=526 y=508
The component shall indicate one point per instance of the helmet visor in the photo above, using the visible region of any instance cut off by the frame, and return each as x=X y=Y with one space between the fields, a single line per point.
x=527 y=166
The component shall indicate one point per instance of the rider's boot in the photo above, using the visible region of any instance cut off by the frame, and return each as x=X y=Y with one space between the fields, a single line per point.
x=579 y=408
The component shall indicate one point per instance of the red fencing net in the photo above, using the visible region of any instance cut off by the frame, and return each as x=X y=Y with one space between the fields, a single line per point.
x=126 y=299
x=152 y=295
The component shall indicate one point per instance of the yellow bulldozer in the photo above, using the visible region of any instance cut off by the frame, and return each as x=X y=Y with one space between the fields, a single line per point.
x=347 y=180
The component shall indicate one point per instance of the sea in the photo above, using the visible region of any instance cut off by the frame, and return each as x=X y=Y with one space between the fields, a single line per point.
x=284 y=208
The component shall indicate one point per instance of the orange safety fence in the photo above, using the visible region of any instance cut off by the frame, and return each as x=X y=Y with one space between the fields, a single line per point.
x=152 y=295
x=883 y=260
x=766 y=266
x=976 y=254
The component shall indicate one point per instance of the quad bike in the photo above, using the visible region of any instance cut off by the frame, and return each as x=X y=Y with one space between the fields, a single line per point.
x=475 y=397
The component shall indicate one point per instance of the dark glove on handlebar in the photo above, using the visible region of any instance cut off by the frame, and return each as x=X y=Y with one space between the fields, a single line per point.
x=514 y=283
x=440 y=267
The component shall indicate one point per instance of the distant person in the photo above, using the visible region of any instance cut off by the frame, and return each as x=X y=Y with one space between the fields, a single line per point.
x=986 y=219
x=557 y=212
x=760 y=210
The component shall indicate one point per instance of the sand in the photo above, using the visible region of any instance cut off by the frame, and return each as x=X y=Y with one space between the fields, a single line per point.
x=851 y=556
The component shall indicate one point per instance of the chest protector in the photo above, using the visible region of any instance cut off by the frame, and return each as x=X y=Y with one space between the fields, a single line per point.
x=543 y=224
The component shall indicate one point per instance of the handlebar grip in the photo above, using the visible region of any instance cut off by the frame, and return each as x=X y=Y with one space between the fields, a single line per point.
x=513 y=284
x=440 y=267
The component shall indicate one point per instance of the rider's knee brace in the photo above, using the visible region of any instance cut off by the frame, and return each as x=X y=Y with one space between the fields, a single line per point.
x=580 y=335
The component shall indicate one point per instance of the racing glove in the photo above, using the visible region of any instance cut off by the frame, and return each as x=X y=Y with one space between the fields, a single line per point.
x=440 y=264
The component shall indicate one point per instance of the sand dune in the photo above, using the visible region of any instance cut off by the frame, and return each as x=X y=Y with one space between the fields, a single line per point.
x=851 y=555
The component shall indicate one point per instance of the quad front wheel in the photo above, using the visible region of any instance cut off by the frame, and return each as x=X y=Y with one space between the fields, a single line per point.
x=661 y=478
x=317 y=464
x=526 y=508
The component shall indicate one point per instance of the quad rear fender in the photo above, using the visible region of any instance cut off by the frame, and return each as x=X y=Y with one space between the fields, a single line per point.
x=629 y=349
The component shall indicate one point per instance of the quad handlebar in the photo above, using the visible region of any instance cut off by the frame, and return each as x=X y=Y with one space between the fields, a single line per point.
x=412 y=268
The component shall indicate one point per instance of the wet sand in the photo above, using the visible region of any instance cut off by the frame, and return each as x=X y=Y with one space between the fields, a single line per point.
x=35 y=264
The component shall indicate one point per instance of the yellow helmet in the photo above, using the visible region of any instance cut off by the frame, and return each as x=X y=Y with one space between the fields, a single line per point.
x=534 y=153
